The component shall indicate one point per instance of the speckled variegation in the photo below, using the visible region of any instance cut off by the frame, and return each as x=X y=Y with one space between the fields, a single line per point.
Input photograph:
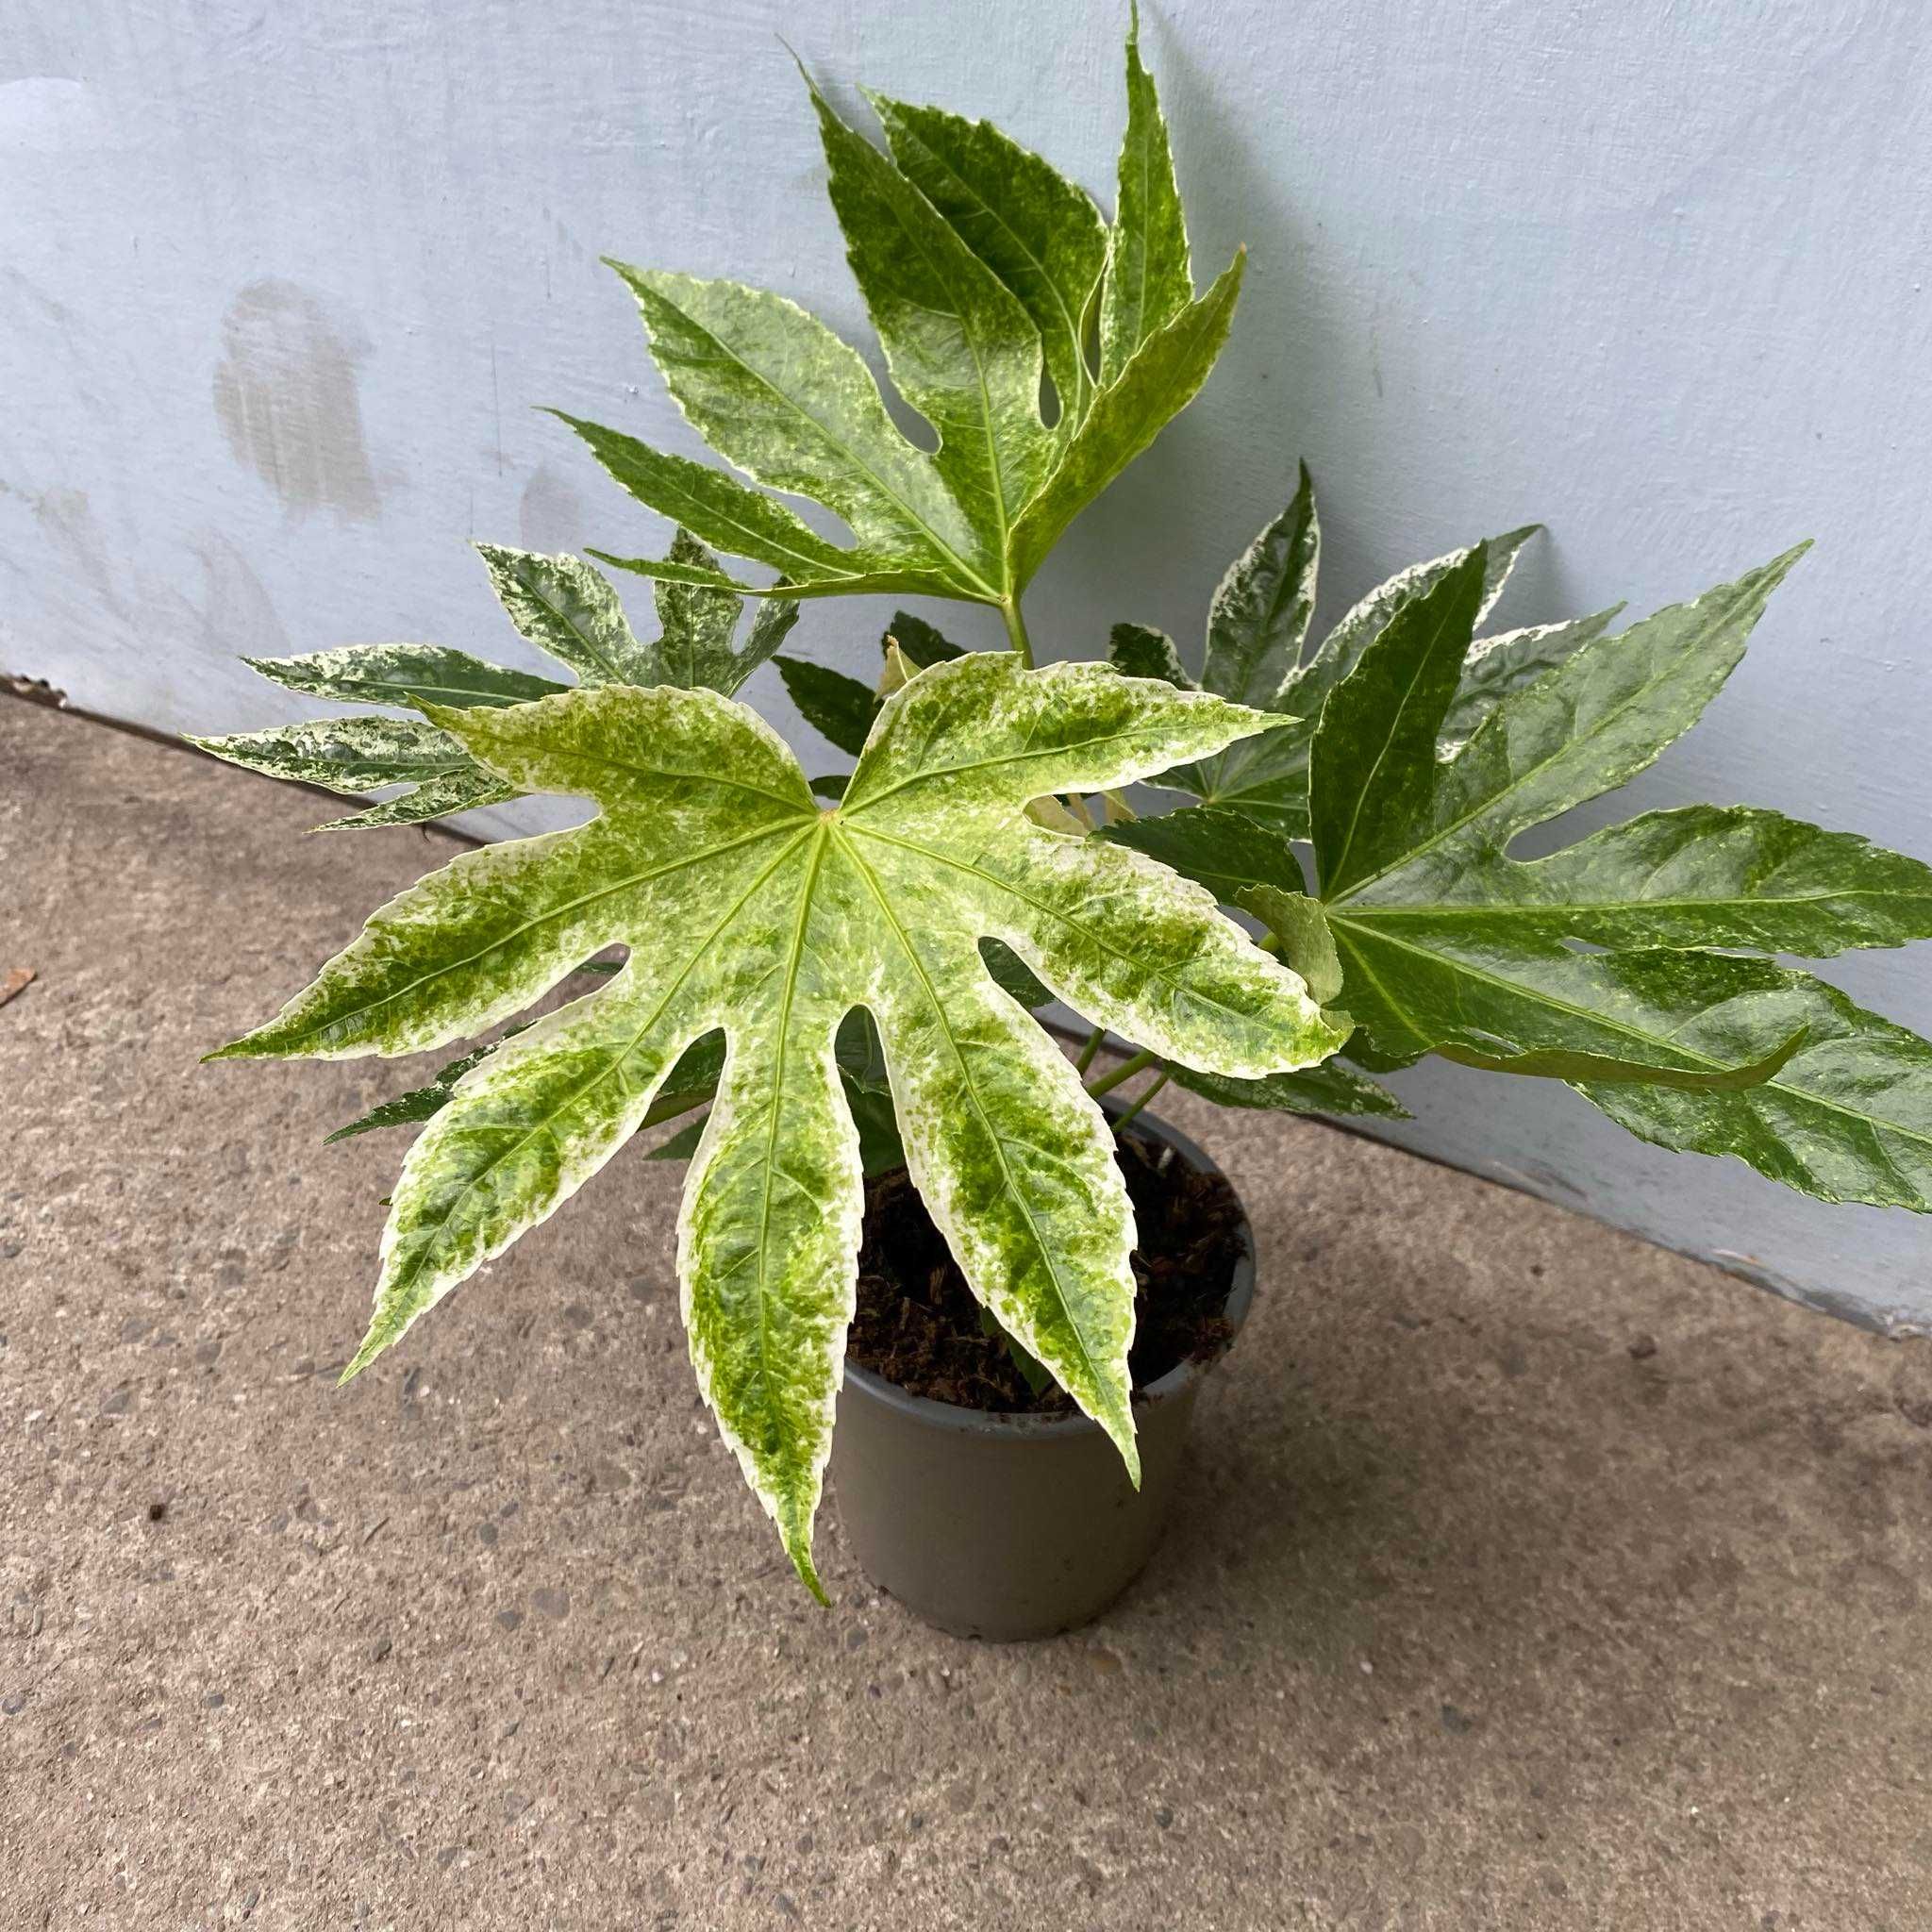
x=747 y=907
x=983 y=271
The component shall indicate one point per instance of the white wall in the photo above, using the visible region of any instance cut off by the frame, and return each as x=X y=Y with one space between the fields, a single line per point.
x=279 y=284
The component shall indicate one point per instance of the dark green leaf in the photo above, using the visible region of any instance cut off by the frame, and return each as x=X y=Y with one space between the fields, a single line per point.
x=839 y=707
x=1372 y=771
x=1136 y=650
x=1259 y=617
x=1849 y=1118
x=1013 y=973
x=920 y=642
x=1328 y=1089
x=1508 y=661
x=1269 y=778
x=1222 y=849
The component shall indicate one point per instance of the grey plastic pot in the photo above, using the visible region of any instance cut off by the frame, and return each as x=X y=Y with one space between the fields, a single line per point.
x=1013 y=1527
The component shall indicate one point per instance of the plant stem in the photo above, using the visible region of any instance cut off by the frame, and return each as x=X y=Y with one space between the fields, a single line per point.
x=1016 y=629
x=1133 y=1106
x=1088 y=1049
x=1125 y=1070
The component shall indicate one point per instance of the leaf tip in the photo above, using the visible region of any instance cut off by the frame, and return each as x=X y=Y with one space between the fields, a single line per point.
x=796 y=1537
x=365 y=1355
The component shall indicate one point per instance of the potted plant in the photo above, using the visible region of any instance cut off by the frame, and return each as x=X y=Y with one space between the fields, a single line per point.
x=828 y=979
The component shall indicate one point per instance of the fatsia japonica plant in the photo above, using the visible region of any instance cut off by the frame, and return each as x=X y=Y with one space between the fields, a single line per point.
x=827 y=977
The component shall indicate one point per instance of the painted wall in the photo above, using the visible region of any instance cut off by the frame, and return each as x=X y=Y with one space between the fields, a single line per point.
x=279 y=284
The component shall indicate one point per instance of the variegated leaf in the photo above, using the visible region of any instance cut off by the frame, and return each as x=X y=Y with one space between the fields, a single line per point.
x=1149 y=278
x=402 y=675
x=358 y=755
x=1041 y=235
x=746 y=906
x=1268 y=777
x=960 y=345
x=981 y=268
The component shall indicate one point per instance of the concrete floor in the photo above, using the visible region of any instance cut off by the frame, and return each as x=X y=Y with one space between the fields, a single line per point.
x=1528 y=1576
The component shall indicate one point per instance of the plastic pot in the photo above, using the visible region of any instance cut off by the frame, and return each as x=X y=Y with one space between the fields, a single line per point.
x=1013 y=1527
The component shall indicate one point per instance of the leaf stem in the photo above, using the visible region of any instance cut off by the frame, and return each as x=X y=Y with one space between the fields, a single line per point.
x=1088 y=1048
x=1016 y=629
x=1133 y=1106
x=1125 y=1070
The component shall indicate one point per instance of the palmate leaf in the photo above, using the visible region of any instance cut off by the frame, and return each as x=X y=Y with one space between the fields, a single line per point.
x=1449 y=946
x=992 y=281
x=561 y=604
x=747 y=908
x=1257 y=629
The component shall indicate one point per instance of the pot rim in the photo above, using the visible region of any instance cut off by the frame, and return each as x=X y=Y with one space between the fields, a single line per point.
x=1179 y=1379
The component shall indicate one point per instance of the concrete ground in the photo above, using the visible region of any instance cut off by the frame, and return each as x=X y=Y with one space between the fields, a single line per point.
x=1528 y=1576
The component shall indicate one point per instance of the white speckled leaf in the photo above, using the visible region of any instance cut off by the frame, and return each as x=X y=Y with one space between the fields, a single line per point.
x=567 y=609
x=983 y=271
x=1268 y=777
x=747 y=908
x=356 y=755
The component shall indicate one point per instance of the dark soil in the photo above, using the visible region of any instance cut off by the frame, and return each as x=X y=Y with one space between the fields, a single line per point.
x=918 y=1325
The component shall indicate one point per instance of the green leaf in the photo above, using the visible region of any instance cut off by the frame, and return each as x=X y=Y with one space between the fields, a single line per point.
x=920 y=642
x=567 y=610
x=746 y=907
x=419 y=1102
x=1259 y=617
x=1041 y=235
x=1218 y=847
x=1149 y=280
x=1165 y=375
x=1505 y=662
x=1847 y=1118
x=720 y=511
x=1012 y=976
x=435 y=798
x=1449 y=946
x=408 y=674
x=1331 y=1088
x=344 y=754
x=1137 y=650
x=699 y=626
x=1301 y=931
x=985 y=275
x=961 y=348
x=1372 y=769
x=1267 y=778
x=691 y=1084
x=356 y=755
x=1700 y=876
x=838 y=707
x=779 y=394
